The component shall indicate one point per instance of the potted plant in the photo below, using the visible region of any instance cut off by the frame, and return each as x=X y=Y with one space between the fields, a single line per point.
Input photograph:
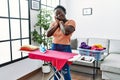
x=39 y=33
x=43 y=23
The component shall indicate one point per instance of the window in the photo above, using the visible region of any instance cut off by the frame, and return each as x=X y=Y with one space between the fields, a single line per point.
x=49 y=4
x=14 y=29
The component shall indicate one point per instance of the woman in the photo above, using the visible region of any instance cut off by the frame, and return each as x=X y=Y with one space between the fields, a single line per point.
x=61 y=30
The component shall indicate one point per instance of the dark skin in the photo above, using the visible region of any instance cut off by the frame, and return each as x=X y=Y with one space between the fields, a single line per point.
x=60 y=21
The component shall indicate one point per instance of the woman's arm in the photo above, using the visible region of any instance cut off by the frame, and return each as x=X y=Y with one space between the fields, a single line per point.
x=52 y=29
x=66 y=30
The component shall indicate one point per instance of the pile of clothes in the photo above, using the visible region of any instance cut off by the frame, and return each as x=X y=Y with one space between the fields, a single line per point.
x=99 y=47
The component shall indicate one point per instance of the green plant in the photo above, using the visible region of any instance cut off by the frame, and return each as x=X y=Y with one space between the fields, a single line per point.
x=44 y=20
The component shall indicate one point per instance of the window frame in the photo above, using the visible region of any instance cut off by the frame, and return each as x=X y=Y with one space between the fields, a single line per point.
x=29 y=25
x=10 y=40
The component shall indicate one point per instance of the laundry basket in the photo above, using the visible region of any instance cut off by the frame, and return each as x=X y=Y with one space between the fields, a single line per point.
x=95 y=53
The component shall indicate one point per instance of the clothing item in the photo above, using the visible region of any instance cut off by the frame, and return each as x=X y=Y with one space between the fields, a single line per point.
x=65 y=70
x=59 y=37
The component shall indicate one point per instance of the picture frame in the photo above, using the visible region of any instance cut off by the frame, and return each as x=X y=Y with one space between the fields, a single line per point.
x=35 y=5
x=87 y=11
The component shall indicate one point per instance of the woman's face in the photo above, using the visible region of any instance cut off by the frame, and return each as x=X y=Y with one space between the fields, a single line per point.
x=59 y=14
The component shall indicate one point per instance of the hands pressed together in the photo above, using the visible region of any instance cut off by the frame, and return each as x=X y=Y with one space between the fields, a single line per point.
x=60 y=23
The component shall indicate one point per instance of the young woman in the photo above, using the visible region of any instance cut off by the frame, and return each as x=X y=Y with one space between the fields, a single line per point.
x=61 y=30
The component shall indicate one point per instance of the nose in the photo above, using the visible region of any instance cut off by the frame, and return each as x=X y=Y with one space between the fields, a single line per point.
x=58 y=16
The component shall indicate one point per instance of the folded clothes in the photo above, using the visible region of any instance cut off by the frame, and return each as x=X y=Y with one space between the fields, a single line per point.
x=93 y=47
x=28 y=48
x=84 y=46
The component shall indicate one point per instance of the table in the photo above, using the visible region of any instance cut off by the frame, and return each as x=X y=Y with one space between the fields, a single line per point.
x=89 y=60
x=56 y=58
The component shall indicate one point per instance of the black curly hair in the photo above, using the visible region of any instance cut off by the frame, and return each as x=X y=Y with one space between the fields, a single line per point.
x=60 y=7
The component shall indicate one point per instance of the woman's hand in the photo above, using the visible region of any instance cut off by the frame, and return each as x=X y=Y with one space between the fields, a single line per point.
x=57 y=22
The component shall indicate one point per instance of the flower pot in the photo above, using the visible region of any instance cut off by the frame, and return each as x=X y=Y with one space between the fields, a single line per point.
x=46 y=68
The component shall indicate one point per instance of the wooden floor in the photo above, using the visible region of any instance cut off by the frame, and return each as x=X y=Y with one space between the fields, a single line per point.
x=75 y=76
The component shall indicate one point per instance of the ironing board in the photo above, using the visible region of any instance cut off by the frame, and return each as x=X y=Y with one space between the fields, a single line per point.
x=56 y=58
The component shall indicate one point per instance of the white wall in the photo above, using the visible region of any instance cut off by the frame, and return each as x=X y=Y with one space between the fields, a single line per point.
x=23 y=67
x=103 y=23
